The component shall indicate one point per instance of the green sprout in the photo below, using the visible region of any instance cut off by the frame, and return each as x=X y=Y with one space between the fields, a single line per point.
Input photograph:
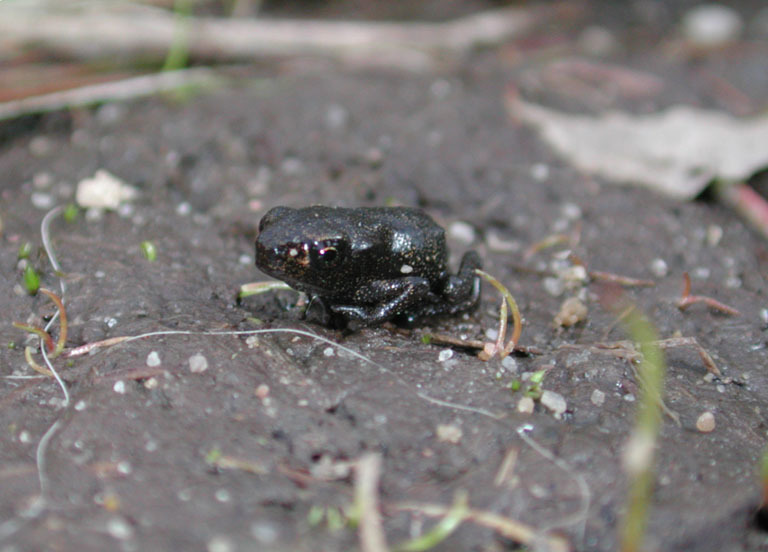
x=25 y=250
x=149 y=250
x=455 y=516
x=31 y=280
x=71 y=211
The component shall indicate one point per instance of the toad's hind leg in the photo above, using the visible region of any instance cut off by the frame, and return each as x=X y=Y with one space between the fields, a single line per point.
x=462 y=291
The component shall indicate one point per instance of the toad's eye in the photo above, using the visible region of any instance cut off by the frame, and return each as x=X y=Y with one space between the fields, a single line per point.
x=326 y=255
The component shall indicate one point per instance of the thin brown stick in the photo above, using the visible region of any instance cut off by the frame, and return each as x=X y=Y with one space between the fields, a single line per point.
x=687 y=299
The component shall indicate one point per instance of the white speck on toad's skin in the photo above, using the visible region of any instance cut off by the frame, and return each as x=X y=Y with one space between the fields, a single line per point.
x=406 y=269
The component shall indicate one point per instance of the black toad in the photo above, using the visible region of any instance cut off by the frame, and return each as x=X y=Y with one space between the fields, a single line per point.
x=366 y=265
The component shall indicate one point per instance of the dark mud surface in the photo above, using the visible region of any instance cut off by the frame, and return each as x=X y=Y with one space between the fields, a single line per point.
x=241 y=455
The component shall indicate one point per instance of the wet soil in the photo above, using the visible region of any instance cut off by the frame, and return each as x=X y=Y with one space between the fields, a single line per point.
x=243 y=451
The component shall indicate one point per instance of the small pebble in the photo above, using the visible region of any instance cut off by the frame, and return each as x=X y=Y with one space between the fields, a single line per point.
x=80 y=406
x=119 y=529
x=245 y=259
x=444 y=355
x=709 y=25
x=183 y=209
x=223 y=495
x=462 y=232
x=336 y=117
x=262 y=391
x=540 y=171
x=525 y=405
x=553 y=286
x=714 y=235
x=220 y=543
x=40 y=146
x=328 y=351
x=103 y=191
x=571 y=211
x=151 y=383
x=509 y=363
x=292 y=166
x=572 y=311
x=25 y=437
x=440 y=89
x=124 y=467
x=264 y=532
x=41 y=200
x=597 y=397
x=448 y=433
x=554 y=402
x=119 y=387
x=659 y=267
x=706 y=422
x=153 y=359
x=42 y=180
x=198 y=364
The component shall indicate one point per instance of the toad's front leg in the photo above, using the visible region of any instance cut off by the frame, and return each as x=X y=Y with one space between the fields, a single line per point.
x=382 y=300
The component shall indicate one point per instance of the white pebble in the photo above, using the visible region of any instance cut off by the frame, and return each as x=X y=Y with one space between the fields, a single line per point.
x=80 y=406
x=444 y=355
x=124 y=467
x=597 y=397
x=540 y=172
x=491 y=334
x=706 y=422
x=183 y=209
x=244 y=259
x=659 y=267
x=41 y=200
x=220 y=543
x=525 y=405
x=509 y=363
x=336 y=117
x=462 y=232
x=25 y=437
x=440 y=89
x=570 y=211
x=712 y=25
x=40 y=146
x=554 y=402
x=119 y=529
x=153 y=359
x=223 y=495
x=198 y=364
x=328 y=351
x=119 y=387
x=103 y=191
x=449 y=433
x=553 y=286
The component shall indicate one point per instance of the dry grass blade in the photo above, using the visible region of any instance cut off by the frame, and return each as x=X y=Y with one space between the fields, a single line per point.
x=371 y=533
